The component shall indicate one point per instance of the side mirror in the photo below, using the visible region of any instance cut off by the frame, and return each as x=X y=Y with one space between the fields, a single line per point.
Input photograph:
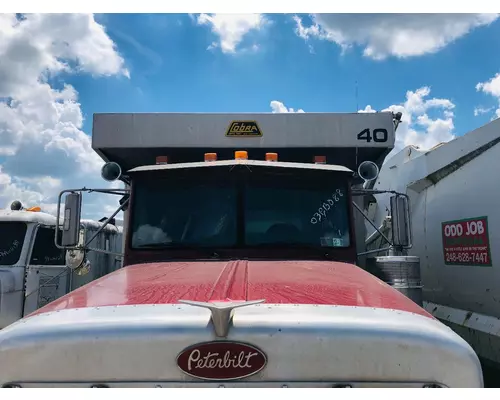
x=400 y=220
x=72 y=217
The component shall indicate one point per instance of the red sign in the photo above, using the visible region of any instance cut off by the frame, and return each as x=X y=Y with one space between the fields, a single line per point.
x=466 y=242
x=221 y=360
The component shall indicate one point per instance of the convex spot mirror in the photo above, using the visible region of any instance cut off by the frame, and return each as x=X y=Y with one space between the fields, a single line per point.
x=111 y=171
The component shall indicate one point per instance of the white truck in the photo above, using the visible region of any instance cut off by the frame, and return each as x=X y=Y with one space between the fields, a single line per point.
x=243 y=247
x=34 y=272
x=455 y=226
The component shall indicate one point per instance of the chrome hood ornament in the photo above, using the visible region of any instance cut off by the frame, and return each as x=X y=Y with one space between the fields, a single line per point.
x=222 y=312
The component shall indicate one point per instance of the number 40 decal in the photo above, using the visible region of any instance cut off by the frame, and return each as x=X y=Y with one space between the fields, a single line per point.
x=378 y=135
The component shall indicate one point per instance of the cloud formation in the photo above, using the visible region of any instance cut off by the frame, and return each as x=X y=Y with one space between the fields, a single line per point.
x=231 y=29
x=279 y=107
x=42 y=146
x=492 y=88
x=417 y=127
x=391 y=35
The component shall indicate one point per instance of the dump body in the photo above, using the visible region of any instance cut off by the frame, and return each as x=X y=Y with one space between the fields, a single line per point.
x=241 y=271
x=455 y=220
x=136 y=139
x=344 y=139
x=33 y=270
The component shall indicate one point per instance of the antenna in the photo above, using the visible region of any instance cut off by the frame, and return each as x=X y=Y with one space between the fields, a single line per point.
x=356 y=95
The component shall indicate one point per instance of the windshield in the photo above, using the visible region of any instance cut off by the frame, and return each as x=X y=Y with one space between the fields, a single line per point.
x=11 y=241
x=235 y=213
x=44 y=250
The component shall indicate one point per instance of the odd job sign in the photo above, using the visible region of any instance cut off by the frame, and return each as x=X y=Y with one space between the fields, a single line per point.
x=466 y=242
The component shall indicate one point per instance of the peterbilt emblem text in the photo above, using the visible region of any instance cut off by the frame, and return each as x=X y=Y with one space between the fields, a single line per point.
x=221 y=360
x=216 y=360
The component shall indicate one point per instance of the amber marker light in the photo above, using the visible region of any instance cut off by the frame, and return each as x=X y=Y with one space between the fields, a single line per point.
x=210 y=156
x=160 y=160
x=320 y=159
x=240 y=155
x=271 y=156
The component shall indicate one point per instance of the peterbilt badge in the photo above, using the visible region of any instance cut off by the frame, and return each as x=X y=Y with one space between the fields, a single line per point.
x=221 y=360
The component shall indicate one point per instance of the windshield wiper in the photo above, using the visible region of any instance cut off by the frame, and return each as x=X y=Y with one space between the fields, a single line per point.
x=178 y=246
x=160 y=244
x=173 y=245
x=291 y=245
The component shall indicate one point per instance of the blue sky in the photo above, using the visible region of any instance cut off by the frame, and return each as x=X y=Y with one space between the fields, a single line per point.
x=172 y=70
x=440 y=70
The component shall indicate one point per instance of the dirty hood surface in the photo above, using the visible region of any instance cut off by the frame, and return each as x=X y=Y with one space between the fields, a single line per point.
x=278 y=282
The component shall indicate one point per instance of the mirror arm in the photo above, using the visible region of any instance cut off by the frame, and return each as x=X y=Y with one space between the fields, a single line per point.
x=365 y=253
x=364 y=192
x=119 y=255
x=120 y=192
x=371 y=223
x=107 y=222
x=125 y=179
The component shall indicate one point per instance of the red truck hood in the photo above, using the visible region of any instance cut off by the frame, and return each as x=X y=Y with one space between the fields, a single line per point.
x=292 y=282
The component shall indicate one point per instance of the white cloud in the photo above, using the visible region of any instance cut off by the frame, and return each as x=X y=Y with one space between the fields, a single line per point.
x=367 y=109
x=42 y=146
x=491 y=87
x=279 y=107
x=231 y=28
x=481 y=110
x=399 y=35
x=416 y=127
x=11 y=190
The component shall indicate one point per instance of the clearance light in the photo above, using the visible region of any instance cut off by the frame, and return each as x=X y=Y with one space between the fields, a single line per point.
x=320 y=159
x=271 y=156
x=210 y=156
x=34 y=209
x=240 y=155
x=161 y=160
